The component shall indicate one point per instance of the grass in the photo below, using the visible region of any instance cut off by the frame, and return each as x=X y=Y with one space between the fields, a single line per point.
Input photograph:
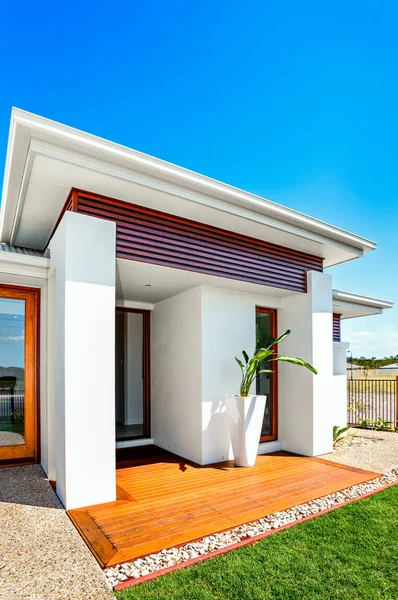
x=349 y=553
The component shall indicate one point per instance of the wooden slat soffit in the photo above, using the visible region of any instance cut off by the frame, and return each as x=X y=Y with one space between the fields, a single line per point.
x=336 y=327
x=160 y=238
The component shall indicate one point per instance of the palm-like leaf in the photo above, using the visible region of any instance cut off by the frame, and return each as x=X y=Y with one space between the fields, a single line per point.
x=265 y=355
x=296 y=361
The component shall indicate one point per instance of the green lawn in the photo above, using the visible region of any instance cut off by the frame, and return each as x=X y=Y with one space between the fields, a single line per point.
x=349 y=553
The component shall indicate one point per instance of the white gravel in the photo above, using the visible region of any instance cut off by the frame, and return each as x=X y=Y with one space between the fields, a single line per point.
x=173 y=556
x=366 y=449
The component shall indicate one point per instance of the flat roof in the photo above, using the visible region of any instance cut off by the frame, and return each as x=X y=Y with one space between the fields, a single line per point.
x=350 y=305
x=45 y=159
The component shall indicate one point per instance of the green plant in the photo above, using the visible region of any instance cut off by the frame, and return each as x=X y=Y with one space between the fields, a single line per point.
x=365 y=422
x=338 y=433
x=382 y=425
x=376 y=425
x=251 y=368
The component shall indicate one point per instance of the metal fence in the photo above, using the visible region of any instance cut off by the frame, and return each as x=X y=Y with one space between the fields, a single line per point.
x=12 y=405
x=372 y=399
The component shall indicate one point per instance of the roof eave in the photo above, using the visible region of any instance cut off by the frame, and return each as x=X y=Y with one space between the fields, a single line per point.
x=25 y=126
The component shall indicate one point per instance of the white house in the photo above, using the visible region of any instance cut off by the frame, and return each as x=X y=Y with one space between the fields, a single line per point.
x=129 y=284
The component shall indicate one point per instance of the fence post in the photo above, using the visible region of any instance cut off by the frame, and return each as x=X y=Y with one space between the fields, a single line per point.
x=12 y=398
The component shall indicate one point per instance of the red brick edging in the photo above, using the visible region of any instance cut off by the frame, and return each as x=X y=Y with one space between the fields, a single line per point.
x=132 y=581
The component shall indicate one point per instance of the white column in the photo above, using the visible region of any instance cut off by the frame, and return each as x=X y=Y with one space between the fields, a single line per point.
x=339 y=403
x=305 y=415
x=83 y=256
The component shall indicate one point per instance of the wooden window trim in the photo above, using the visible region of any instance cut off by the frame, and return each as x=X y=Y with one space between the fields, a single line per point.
x=30 y=451
x=274 y=378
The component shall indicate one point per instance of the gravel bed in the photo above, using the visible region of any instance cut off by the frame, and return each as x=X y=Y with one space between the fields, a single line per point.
x=366 y=449
x=173 y=556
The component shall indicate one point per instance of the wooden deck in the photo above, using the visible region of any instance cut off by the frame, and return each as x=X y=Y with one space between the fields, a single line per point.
x=165 y=501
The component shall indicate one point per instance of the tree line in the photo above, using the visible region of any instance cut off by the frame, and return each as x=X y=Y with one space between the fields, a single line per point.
x=373 y=363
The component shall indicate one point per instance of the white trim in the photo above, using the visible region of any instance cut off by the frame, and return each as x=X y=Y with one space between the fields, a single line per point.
x=24 y=265
x=22 y=192
x=267 y=447
x=133 y=304
x=134 y=443
x=362 y=301
x=341 y=345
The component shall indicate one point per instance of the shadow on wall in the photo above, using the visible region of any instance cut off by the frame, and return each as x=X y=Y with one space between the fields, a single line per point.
x=28 y=486
x=216 y=441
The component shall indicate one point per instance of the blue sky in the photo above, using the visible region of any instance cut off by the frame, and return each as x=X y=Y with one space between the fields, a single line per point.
x=293 y=100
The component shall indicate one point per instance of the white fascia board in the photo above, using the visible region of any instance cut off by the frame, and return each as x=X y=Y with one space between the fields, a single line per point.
x=26 y=126
x=120 y=303
x=25 y=265
x=118 y=172
x=363 y=301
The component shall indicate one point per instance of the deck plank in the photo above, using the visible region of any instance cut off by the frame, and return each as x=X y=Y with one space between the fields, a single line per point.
x=166 y=501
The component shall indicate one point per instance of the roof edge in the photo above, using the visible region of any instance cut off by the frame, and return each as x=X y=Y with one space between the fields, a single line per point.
x=29 y=124
x=363 y=300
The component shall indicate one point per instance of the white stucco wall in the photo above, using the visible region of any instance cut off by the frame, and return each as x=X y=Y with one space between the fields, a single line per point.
x=83 y=256
x=176 y=364
x=219 y=324
x=305 y=400
x=228 y=327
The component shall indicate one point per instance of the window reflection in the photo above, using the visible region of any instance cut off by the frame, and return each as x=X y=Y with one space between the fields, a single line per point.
x=12 y=371
x=264 y=380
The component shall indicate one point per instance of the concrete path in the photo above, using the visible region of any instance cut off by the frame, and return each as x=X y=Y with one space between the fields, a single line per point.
x=365 y=449
x=42 y=555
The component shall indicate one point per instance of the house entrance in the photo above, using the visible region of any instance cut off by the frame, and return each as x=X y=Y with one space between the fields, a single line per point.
x=18 y=374
x=132 y=374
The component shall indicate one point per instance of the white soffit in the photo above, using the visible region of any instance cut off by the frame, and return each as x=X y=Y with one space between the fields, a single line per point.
x=139 y=282
x=45 y=159
x=352 y=305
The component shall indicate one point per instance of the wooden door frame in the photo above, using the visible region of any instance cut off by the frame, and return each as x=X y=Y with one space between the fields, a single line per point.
x=146 y=366
x=30 y=451
x=274 y=376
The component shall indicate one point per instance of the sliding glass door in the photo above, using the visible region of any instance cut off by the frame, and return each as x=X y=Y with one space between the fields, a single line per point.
x=267 y=383
x=18 y=378
x=132 y=374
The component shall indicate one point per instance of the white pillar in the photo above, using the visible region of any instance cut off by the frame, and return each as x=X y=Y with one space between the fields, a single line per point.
x=339 y=403
x=83 y=255
x=305 y=414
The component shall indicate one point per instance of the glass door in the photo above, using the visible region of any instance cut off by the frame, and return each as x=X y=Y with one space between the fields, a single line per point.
x=18 y=378
x=267 y=383
x=132 y=374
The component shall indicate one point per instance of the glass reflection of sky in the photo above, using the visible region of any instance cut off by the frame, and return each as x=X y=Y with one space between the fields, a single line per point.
x=12 y=332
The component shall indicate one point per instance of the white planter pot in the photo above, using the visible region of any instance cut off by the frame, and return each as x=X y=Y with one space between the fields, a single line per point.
x=245 y=418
